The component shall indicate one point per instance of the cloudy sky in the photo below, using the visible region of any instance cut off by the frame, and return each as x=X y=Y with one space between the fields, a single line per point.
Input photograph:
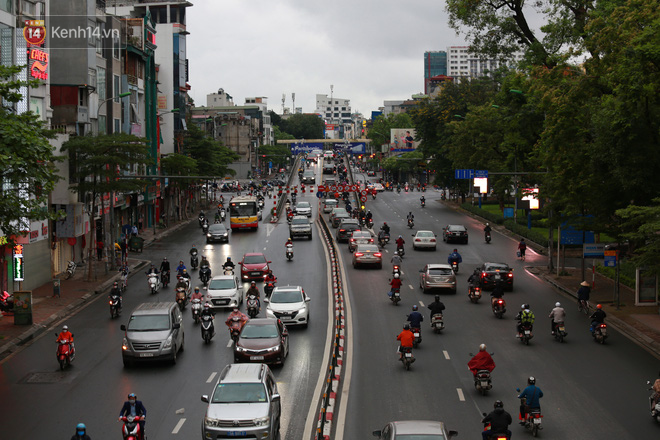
x=370 y=50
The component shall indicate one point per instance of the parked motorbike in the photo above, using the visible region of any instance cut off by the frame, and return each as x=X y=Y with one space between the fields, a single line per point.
x=499 y=307
x=407 y=357
x=289 y=252
x=6 y=302
x=70 y=269
x=474 y=293
x=487 y=237
x=165 y=278
x=437 y=324
x=532 y=418
x=154 y=282
x=194 y=260
x=205 y=275
x=208 y=329
x=252 y=306
x=560 y=331
x=653 y=406
x=600 y=333
x=132 y=429
x=181 y=298
x=411 y=223
x=196 y=308
x=454 y=266
x=65 y=353
x=396 y=296
x=115 y=306
x=526 y=334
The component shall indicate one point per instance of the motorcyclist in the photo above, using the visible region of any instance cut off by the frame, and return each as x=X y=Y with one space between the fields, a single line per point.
x=65 y=334
x=180 y=268
x=204 y=263
x=487 y=229
x=385 y=228
x=481 y=361
x=193 y=250
x=288 y=242
x=415 y=318
x=197 y=295
x=532 y=394
x=253 y=290
x=454 y=257
x=185 y=275
x=229 y=264
x=396 y=259
x=369 y=216
x=116 y=291
x=407 y=338
x=400 y=242
x=558 y=314
x=270 y=278
x=207 y=311
x=410 y=217
x=597 y=317
x=165 y=266
x=134 y=407
x=241 y=318
x=499 y=422
x=497 y=293
x=395 y=284
x=181 y=283
x=525 y=317
x=436 y=307
x=422 y=200
x=152 y=270
x=81 y=433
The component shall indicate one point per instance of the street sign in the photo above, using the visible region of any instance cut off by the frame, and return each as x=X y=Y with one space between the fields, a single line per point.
x=319 y=194
x=321 y=188
x=463 y=174
x=340 y=188
x=593 y=250
x=363 y=199
x=363 y=192
x=610 y=258
x=333 y=188
x=354 y=187
x=481 y=174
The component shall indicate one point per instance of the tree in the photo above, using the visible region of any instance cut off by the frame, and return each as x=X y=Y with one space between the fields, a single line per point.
x=278 y=154
x=178 y=165
x=26 y=161
x=379 y=132
x=641 y=225
x=303 y=126
x=99 y=165
x=211 y=156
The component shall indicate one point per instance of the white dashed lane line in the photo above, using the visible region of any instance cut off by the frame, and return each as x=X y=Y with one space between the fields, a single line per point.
x=211 y=377
x=229 y=343
x=421 y=304
x=411 y=287
x=178 y=426
x=461 y=397
x=446 y=353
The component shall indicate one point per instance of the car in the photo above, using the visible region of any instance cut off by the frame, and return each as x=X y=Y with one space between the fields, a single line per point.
x=244 y=400
x=335 y=212
x=300 y=227
x=346 y=228
x=329 y=205
x=414 y=429
x=224 y=291
x=308 y=177
x=254 y=266
x=378 y=187
x=329 y=181
x=263 y=340
x=455 y=233
x=303 y=208
x=367 y=254
x=424 y=240
x=370 y=186
x=371 y=173
x=217 y=232
x=491 y=273
x=359 y=237
x=437 y=276
x=337 y=219
x=290 y=304
x=328 y=168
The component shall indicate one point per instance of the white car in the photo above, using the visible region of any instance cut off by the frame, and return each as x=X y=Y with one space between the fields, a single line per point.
x=378 y=187
x=290 y=304
x=224 y=291
x=424 y=240
x=303 y=208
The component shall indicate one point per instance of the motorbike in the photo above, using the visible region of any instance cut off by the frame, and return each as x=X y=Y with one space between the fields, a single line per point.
x=396 y=296
x=560 y=331
x=407 y=357
x=205 y=275
x=235 y=329
x=654 y=407
x=70 y=269
x=181 y=298
x=132 y=429
x=499 y=307
x=252 y=306
x=437 y=324
x=196 y=309
x=400 y=251
x=194 y=261
x=532 y=418
x=65 y=353
x=474 y=293
x=454 y=266
x=200 y=219
x=398 y=190
x=208 y=330
x=205 y=228
x=165 y=278
x=268 y=288
x=417 y=332
x=223 y=214
x=383 y=239
x=289 y=252
x=261 y=203
x=373 y=196
x=154 y=282
x=526 y=334
x=370 y=223
x=600 y=333
x=228 y=271
x=6 y=302
x=487 y=237
x=482 y=381
x=423 y=203
x=411 y=223
x=115 y=306
x=424 y=188
x=396 y=269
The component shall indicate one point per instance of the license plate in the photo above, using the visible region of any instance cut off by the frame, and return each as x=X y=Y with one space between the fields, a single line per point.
x=285 y=316
x=497 y=277
x=408 y=355
x=256 y=274
x=561 y=329
x=527 y=332
x=236 y=433
x=396 y=294
x=484 y=383
x=256 y=358
x=145 y=355
x=416 y=335
x=537 y=421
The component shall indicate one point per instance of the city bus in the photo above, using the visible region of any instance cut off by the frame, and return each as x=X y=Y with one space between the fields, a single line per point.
x=243 y=212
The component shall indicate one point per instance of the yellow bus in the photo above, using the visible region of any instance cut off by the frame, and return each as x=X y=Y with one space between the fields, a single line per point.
x=243 y=212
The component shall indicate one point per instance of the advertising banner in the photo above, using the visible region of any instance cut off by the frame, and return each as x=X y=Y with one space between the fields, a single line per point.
x=402 y=140
x=23 y=307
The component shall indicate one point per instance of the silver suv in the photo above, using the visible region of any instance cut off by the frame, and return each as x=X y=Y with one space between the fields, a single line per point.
x=244 y=404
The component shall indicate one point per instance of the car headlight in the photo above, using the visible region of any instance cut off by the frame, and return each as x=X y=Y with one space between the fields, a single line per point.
x=211 y=423
x=270 y=313
x=302 y=310
x=124 y=344
x=240 y=349
x=168 y=342
x=261 y=421
x=274 y=349
x=265 y=267
x=208 y=235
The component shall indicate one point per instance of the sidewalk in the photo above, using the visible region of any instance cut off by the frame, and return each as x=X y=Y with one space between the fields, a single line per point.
x=640 y=324
x=74 y=293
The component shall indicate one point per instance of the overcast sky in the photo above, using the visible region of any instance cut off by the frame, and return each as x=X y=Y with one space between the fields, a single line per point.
x=370 y=50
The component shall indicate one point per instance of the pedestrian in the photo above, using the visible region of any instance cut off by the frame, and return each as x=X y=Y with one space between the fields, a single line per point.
x=522 y=247
x=99 y=250
x=140 y=221
x=135 y=230
x=123 y=250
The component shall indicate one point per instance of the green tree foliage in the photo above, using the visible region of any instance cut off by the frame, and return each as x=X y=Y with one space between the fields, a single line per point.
x=27 y=172
x=303 y=126
x=280 y=135
x=379 y=132
x=278 y=154
x=640 y=225
x=211 y=156
x=178 y=165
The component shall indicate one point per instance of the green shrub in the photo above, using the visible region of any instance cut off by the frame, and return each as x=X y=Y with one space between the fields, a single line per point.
x=626 y=273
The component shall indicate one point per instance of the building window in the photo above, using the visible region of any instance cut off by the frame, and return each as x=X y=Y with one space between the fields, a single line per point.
x=100 y=29
x=115 y=47
x=100 y=84
x=115 y=87
x=102 y=122
x=7 y=5
x=117 y=126
x=174 y=14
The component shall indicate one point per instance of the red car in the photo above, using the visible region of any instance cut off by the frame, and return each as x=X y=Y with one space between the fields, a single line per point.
x=254 y=266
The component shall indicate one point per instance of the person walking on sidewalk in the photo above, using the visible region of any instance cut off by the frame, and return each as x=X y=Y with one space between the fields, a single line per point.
x=99 y=250
x=522 y=247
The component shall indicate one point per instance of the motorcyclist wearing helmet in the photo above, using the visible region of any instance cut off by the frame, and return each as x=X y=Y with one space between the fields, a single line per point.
x=288 y=242
x=422 y=200
x=134 y=407
x=400 y=242
x=410 y=216
x=65 y=334
x=487 y=229
x=481 y=361
x=396 y=259
x=597 y=317
x=499 y=422
x=197 y=295
x=395 y=284
x=253 y=290
x=558 y=314
x=181 y=283
x=152 y=270
x=454 y=257
x=525 y=317
x=185 y=274
x=238 y=317
x=497 y=292
x=415 y=318
x=81 y=433
x=532 y=394
x=207 y=310
x=165 y=266
x=229 y=264
x=204 y=263
x=116 y=291
x=436 y=307
x=385 y=228
x=270 y=278
x=369 y=216
x=193 y=250
x=407 y=338
x=180 y=268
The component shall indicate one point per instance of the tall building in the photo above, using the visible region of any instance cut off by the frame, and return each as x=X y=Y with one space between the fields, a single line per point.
x=435 y=63
x=336 y=112
x=463 y=64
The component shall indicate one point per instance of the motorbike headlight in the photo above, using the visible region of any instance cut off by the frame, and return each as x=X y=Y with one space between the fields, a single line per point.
x=168 y=342
x=261 y=421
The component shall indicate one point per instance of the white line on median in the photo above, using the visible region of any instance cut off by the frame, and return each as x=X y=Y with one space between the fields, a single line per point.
x=211 y=377
x=446 y=353
x=178 y=426
x=461 y=397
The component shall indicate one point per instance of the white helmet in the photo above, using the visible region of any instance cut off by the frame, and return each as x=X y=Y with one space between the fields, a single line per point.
x=65 y=328
x=482 y=347
x=557 y=304
x=396 y=275
x=396 y=252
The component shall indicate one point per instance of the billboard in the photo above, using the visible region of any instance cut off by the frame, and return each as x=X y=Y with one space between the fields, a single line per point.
x=402 y=140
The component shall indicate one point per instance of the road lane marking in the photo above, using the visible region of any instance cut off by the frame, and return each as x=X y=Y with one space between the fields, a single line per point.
x=461 y=397
x=446 y=353
x=229 y=343
x=411 y=287
x=211 y=377
x=178 y=426
x=421 y=304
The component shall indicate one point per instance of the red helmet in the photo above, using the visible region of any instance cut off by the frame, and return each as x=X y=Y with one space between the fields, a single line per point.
x=599 y=306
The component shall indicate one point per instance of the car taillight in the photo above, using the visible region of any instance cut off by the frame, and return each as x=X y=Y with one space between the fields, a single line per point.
x=359 y=254
x=377 y=254
x=500 y=302
x=510 y=275
x=417 y=239
x=371 y=240
x=342 y=230
x=483 y=275
x=352 y=239
x=433 y=240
